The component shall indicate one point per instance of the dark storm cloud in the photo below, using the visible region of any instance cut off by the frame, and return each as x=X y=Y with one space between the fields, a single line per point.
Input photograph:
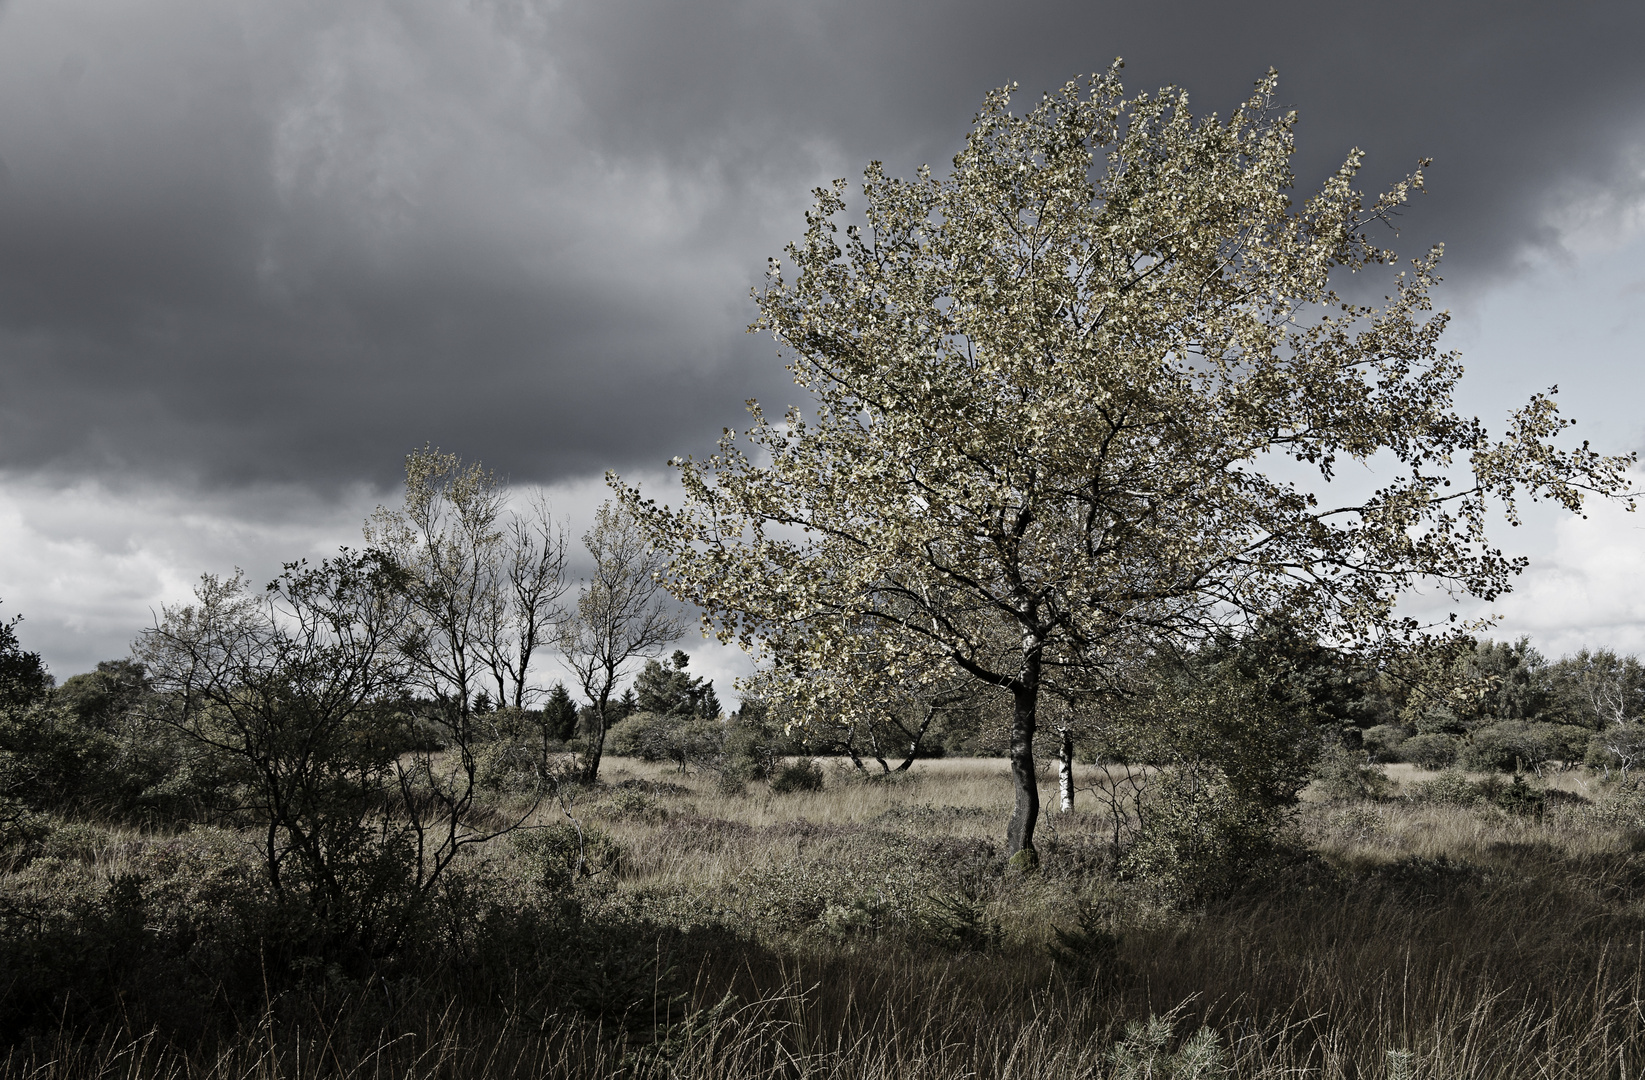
x=245 y=242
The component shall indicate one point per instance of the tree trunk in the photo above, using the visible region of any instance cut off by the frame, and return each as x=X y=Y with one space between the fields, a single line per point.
x=851 y=749
x=596 y=747
x=914 y=739
x=874 y=746
x=1065 y=770
x=596 y=738
x=1025 y=815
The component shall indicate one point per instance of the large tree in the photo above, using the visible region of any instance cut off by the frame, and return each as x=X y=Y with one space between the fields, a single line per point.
x=1092 y=391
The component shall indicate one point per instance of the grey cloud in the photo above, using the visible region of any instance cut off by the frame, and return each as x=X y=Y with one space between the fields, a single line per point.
x=248 y=243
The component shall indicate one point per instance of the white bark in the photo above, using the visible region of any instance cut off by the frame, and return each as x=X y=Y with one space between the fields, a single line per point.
x=1065 y=770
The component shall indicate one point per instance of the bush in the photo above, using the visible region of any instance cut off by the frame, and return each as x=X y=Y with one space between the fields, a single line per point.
x=1511 y=745
x=1143 y=1053
x=1343 y=774
x=524 y=753
x=1621 y=746
x=685 y=741
x=1519 y=798
x=560 y=855
x=1430 y=750
x=801 y=775
x=1449 y=788
x=1199 y=839
x=1384 y=741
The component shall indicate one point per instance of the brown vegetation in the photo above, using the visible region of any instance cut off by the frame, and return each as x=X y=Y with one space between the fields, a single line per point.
x=867 y=930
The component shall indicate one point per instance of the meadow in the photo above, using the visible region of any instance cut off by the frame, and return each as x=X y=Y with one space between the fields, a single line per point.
x=870 y=929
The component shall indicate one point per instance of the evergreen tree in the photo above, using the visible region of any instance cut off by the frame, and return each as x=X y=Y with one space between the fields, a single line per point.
x=560 y=713
x=669 y=690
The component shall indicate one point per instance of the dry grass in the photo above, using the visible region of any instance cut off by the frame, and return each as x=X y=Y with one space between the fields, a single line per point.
x=1419 y=940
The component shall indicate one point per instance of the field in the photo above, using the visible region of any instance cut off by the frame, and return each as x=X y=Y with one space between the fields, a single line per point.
x=869 y=929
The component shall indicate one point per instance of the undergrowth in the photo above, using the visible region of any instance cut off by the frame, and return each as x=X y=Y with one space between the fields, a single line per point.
x=1443 y=930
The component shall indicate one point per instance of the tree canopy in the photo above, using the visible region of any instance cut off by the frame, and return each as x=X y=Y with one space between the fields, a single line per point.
x=1089 y=395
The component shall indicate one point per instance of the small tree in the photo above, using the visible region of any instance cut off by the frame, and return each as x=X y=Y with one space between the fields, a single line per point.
x=483 y=584
x=30 y=757
x=1050 y=393
x=559 y=714
x=300 y=691
x=670 y=691
x=622 y=614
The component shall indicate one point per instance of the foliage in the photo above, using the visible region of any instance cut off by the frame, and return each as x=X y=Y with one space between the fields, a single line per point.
x=1621 y=746
x=1383 y=742
x=669 y=691
x=1430 y=750
x=1088 y=951
x=1234 y=743
x=1598 y=689
x=620 y=615
x=560 y=855
x=1198 y=838
x=559 y=713
x=1449 y=787
x=299 y=695
x=799 y=775
x=755 y=740
x=1143 y=1055
x=24 y=679
x=522 y=753
x=1344 y=774
x=482 y=584
x=685 y=741
x=1046 y=396
x=1512 y=745
x=1455 y=789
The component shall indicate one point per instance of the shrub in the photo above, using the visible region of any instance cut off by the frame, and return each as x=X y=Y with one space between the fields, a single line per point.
x=1430 y=750
x=1519 y=798
x=1511 y=745
x=958 y=922
x=1089 y=952
x=1142 y=1053
x=1199 y=839
x=1384 y=741
x=560 y=855
x=524 y=753
x=1343 y=774
x=1449 y=788
x=801 y=775
x=685 y=741
x=1621 y=746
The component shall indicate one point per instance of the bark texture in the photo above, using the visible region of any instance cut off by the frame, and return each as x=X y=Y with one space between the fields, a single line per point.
x=1025 y=814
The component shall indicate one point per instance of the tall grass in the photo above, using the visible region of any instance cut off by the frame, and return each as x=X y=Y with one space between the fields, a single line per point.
x=1419 y=939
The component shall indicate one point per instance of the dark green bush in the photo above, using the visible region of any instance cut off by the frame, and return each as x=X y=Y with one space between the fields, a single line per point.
x=1620 y=746
x=801 y=775
x=1430 y=750
x=685 y=741
x=1384 y=741
x=1200 y=839
x=1342 y=773
x=560 y=855
x=1511 y=745
x=1449 y=788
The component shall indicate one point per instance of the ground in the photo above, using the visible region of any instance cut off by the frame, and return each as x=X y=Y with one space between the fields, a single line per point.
x=871 y=929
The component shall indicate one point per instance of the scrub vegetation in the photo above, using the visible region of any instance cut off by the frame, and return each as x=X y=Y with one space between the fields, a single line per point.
x=1441 y=928
x=1076 y=412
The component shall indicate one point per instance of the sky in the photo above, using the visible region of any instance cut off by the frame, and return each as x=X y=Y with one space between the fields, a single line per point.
x=254 y=251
